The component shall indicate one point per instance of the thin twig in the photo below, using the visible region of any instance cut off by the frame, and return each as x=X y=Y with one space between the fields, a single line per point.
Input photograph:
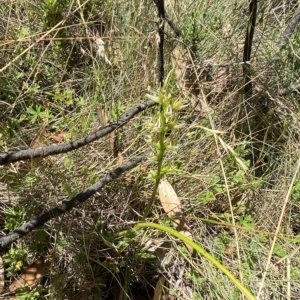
x=67 y=205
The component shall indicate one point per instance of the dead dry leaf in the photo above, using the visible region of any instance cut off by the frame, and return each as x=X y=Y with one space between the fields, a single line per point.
x=227 y=30
x=101 y=50
x=159 y=288
x=169 y=199
x=103 y=120
x=172 y=206
x=102 y=116
x=31 y=276
x=59 y=136
x=120 y=158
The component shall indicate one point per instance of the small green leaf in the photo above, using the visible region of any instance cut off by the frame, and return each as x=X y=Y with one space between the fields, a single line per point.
x=239 y=176
x=279 y=251
x=246 y=221
x=208 y=197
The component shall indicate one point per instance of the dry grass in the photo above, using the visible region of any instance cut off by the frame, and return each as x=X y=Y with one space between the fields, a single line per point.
x=231 y=212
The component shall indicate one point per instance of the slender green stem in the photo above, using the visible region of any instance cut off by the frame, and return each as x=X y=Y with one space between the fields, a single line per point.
x=149 y=206
x=160 y=156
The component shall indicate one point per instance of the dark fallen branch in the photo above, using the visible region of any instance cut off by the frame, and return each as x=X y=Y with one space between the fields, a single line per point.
x=67 y=205
x=290 y=27
x=9 y=157
x=248 y=48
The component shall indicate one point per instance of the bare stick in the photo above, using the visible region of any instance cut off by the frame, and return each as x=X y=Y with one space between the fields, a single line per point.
x=248 y=48
x=160 y=40
x=9 y=157
x=67 y=205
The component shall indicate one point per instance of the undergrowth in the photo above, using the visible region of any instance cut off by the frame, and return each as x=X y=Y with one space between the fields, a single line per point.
x=69 y=67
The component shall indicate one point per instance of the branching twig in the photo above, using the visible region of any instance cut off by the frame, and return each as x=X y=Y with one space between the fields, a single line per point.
x=248 y=48
x=67 y=205
x=9 y=157
x=290 y=27
x=162 y=14
x=173 y=26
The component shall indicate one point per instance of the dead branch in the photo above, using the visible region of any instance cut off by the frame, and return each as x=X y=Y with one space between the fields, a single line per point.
x=160 y=40
x=9 y=157
x=248 y=47
x=67 y=205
